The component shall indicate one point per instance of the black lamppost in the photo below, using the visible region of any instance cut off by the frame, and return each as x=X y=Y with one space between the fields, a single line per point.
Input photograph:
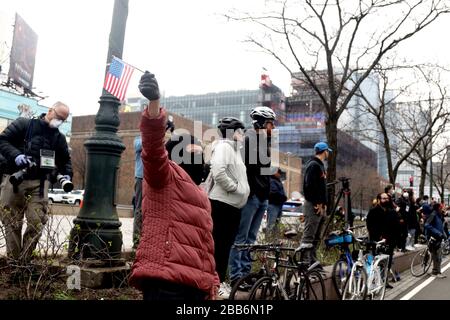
x=96 y=233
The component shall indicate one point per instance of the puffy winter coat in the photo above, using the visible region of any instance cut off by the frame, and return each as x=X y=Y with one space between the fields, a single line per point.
x=29 y=136
x=176 y=243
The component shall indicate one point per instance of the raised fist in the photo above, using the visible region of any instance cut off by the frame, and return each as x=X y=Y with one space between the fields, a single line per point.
x=149 y=86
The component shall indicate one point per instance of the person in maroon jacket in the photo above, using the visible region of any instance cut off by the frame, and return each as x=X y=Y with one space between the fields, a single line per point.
x=175 y=256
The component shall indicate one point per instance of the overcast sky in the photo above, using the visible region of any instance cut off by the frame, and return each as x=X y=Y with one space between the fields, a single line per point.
x=190 y=47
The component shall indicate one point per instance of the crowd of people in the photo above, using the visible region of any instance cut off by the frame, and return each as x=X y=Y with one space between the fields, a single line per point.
x=401 y=220
x=186 y=236
x=190 y=235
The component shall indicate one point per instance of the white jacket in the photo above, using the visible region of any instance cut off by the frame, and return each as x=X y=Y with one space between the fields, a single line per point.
x=229 y=174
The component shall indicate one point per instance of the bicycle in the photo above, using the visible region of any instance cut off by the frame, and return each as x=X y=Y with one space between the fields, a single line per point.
x=343 y=266
x=303 y=282
x=242 y=284
x=421 y=262
x=369 y=274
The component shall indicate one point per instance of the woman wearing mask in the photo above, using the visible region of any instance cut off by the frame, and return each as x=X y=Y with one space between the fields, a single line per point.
x=175 y=256
x=228 y=193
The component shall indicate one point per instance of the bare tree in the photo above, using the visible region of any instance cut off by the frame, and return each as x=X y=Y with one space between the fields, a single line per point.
x=426 y=150
x=341 y=39
x=441 y=174
x=423 y=124
x=405 y=130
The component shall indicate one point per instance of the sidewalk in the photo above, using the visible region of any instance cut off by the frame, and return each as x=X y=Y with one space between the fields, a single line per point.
x=56 y=234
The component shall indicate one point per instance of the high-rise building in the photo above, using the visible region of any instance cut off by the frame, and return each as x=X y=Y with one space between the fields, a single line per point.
x=304 y=125
x=209 y=107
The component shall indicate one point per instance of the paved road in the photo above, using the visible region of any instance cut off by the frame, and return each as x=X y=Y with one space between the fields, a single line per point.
x=432 y=288
x=422 y=288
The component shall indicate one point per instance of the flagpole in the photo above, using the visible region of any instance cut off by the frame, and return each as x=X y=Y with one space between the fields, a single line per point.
x=129 y=64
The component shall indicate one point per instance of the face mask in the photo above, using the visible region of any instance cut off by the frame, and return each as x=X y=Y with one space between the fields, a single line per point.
x=55 y=123
x=195 y=169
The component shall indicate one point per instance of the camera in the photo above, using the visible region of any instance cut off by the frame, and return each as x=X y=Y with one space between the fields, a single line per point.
x=17 y=177
x=67 y=185
x=345 y=182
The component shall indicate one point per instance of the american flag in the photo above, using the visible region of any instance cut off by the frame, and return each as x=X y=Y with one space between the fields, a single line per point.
x=118 y=78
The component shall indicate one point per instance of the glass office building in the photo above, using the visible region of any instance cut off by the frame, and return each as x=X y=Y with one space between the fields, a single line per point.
x=209 y=107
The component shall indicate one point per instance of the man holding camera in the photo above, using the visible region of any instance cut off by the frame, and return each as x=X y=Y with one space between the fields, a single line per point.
x=35 y=151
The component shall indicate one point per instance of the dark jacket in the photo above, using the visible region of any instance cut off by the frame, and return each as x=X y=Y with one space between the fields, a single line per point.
x=412 y=219
x=257 y=158
x=29 y=136
x=434 y=226
x=383 y=224
x=277 y=195
x=315 y=182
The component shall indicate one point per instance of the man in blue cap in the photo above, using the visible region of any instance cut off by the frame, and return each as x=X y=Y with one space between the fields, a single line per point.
x=315 y=207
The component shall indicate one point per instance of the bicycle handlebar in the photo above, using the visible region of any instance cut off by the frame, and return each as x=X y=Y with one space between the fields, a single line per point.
x=262 y=247
x=367 y=243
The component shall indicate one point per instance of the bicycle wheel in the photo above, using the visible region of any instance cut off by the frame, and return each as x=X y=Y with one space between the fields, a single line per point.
x=379 y=282
x=421 y=263
x=312 y=287
x=339 y=275
x=291 y=283
x=251 y=278
x=356 y=285
x=264 y=289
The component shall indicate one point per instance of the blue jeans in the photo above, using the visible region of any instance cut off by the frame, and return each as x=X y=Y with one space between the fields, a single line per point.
x=273 y=214
x=251 y=217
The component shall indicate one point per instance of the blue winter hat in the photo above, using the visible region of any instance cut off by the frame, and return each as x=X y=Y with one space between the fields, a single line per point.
x=321 y=146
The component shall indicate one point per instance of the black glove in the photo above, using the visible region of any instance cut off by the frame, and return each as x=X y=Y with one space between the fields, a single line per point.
x=170 y=126
x=149 y=86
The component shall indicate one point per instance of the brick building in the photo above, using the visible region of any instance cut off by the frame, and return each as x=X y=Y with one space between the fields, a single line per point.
x=83 y=128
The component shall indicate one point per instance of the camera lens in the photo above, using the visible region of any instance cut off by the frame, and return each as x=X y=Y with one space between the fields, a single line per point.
x=67 y=185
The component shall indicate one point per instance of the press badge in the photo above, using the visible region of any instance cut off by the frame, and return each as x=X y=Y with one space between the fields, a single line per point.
x=47 y=159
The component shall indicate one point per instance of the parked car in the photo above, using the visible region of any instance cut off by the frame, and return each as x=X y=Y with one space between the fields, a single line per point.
x=74 y=197
x=292 y=208
x=56 y=195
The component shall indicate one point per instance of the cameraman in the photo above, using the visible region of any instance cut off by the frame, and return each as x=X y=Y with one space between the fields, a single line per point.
x=38 y=148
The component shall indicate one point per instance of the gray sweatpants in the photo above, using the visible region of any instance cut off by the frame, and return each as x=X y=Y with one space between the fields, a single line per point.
x=436 y=257
x=311 y=233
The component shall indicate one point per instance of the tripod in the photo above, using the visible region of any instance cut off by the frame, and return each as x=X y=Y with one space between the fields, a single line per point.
x=344 y=192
